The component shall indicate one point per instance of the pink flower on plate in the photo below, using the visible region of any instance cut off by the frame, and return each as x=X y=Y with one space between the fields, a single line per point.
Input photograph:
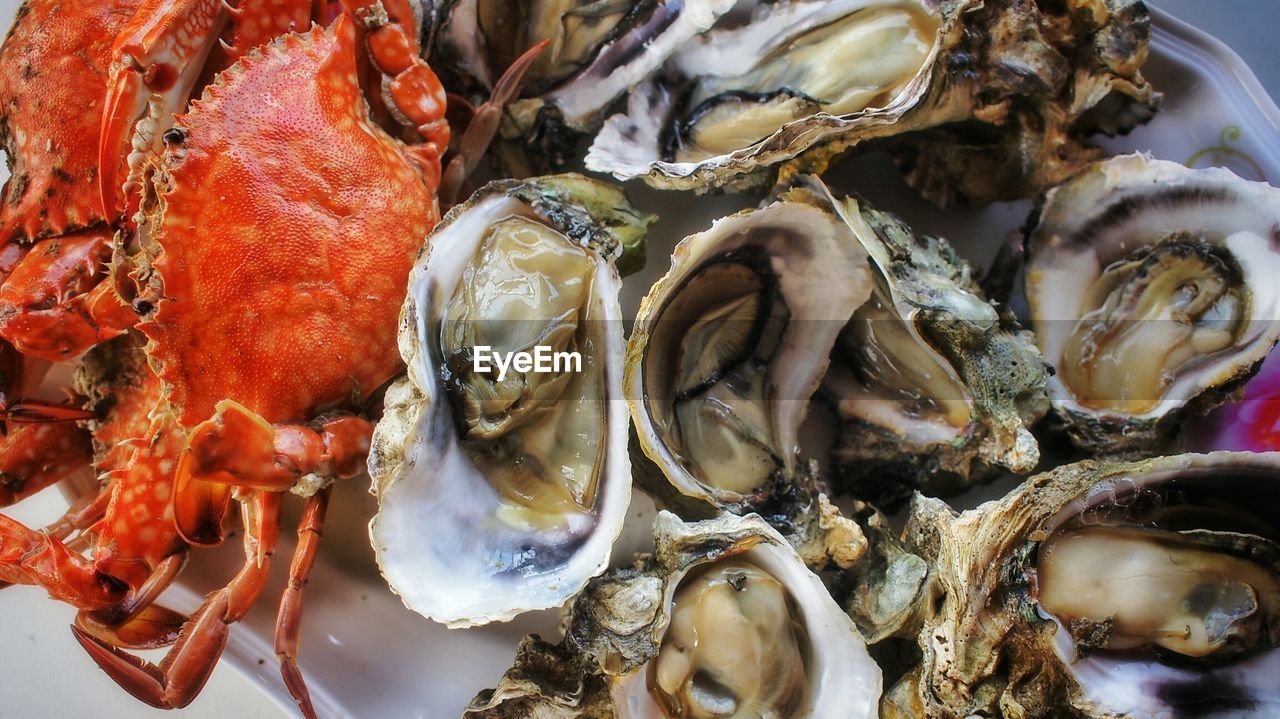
x=1253 y=424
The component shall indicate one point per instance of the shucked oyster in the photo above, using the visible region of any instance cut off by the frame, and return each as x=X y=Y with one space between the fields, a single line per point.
x=724 y=621
x=1153 y=292
x=1018 y=85
x=502 y=487
x=1143 y=589
x=597 y=50
x=931 y=384
x=729 y=346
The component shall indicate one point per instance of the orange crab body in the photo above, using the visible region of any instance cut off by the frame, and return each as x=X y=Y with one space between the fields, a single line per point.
x=286 y=226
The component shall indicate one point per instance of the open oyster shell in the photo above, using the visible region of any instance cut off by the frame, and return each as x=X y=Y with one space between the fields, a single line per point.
x=724 y=620
x=729 y=346
x=502 y=492
x=932 y=385
x=1016 y=85
x=1104 y=589
x=1152 y=290
x=597 y=51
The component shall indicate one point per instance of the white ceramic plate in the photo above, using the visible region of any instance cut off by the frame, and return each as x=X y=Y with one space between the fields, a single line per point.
x=365 y=655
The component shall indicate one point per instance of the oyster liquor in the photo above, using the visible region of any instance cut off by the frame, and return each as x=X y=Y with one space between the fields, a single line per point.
x=542 y=359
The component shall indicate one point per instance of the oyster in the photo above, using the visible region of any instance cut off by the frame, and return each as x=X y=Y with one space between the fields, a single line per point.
x=597 y=50
x=729 y=346
x=724 y=621
x=1017 y=86
x=502 y=490
x=1152 y=291
x=932 y=385
x=1141 y=589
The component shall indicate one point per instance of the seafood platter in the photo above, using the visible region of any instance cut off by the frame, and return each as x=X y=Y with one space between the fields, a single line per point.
x=648 y=359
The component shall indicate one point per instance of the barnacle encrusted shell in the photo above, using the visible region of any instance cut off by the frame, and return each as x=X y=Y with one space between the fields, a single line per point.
x=1004 y=635
x=1005 y=92
x=502 y=493
x=933 y=385
x=1152 y=291
x=724 y=620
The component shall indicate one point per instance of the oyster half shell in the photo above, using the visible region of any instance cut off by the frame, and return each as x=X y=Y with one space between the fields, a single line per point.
x=1152 y=290
x=1014 y=88
x=501 y=492
x=730 y=345
x=1104 y=589
x=724 y=620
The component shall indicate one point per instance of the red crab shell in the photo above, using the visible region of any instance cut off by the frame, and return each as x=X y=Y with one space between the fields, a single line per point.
x=287 y=223
x=55 y=58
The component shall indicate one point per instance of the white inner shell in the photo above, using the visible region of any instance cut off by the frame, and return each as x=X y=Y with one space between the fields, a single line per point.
x=844 y=682
x=441 y=537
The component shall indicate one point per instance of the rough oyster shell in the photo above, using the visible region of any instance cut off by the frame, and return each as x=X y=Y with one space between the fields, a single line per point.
x=932 y=384
x=1014 y=86
x=617 y=641
x=485 y=511
x=1152 y=292
x=990 y=647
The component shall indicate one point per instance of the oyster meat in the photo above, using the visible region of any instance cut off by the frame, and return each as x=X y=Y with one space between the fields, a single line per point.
x=501 y=490
x=1015 y=87
x=729 y=346
x=1152 y=291
x=1101 y=589
x=723 y=621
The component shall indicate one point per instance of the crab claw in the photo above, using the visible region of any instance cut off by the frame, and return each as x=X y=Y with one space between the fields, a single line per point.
x=123 y=97
x=156 y=61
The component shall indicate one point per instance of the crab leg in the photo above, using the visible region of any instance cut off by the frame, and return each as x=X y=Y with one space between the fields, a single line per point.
x=77 y=519
x=414 y=88
x=134 y=536
x=237 y=448
x=179 y=677
x=484 y=125
x=34 y=456
x=418 y=95
x=20 y=374
x=289 y=619
x=137 y=622
x=31 y=557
